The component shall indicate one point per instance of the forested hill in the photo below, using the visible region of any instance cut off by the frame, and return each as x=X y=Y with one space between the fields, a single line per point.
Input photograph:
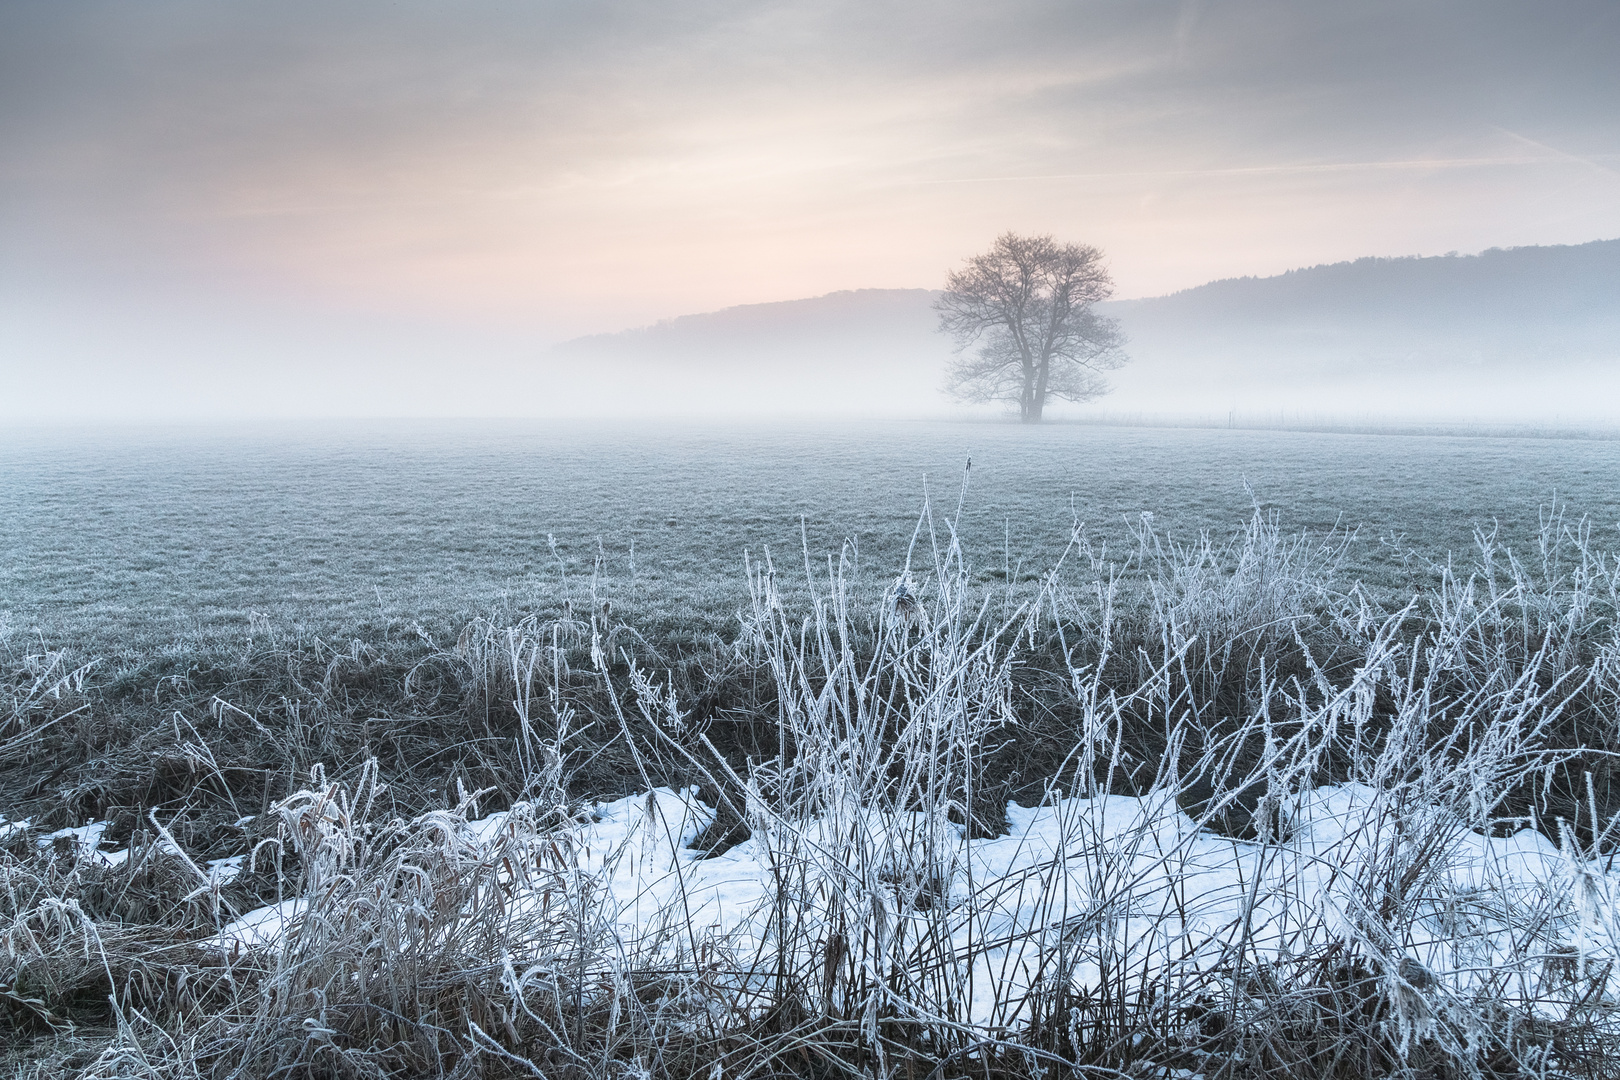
x=866 y=350
x=861 y=322
x=1501 y=302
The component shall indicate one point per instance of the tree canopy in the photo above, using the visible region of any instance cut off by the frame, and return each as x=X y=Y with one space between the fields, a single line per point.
x=1025 y=308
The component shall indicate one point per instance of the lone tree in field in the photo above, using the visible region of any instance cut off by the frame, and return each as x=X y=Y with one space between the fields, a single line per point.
x=1027 y=306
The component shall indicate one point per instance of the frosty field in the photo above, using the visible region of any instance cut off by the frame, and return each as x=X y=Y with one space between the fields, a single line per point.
x=402 y=751
x=119 y=542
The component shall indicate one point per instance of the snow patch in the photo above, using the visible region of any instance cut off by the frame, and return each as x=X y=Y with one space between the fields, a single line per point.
x=1171 y=894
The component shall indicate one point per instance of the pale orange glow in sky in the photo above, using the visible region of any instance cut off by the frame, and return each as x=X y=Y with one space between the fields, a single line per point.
x=551 y=169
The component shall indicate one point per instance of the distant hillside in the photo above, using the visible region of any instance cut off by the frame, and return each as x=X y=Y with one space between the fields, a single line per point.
x=1501 y=305
x=830 y=327
x=1502 y=283
x=1522 y=331
x=1484 y=333
x=866 y=350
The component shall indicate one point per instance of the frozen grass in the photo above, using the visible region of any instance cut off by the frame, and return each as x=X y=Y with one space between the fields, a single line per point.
x=1203 y=806
x=126 y=545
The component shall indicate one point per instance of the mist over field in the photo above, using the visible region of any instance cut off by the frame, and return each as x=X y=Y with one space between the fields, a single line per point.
x=1526 y=336
x=810 y=540
x=210 y=212
x=1529 y=335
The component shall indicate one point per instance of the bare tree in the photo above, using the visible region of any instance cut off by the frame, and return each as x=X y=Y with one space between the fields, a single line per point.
x=1027 y=306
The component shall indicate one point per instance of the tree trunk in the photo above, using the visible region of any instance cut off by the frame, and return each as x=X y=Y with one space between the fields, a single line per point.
x=1035 y=391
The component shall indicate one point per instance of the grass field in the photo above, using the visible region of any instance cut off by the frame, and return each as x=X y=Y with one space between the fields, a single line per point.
x=119 y=542
x=373 y=753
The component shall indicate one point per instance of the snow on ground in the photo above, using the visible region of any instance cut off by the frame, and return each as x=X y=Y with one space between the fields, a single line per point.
x=1133 y=873
x=85 y=843
x=262 y=927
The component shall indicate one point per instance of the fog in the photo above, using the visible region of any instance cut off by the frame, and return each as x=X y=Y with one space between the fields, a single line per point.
x=1529 y=334
x=402 y=209
x=1526 y=335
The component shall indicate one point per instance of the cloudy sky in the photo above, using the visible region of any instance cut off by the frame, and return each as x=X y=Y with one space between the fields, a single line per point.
x=196 y=194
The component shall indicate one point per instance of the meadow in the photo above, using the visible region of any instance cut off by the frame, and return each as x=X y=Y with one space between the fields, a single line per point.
x=125 y=542
x=439 y=750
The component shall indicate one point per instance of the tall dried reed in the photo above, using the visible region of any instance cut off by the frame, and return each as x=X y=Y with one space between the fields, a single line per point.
x=1265 y=851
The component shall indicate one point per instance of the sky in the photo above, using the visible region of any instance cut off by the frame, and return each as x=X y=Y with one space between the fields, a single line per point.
x=307 y=207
